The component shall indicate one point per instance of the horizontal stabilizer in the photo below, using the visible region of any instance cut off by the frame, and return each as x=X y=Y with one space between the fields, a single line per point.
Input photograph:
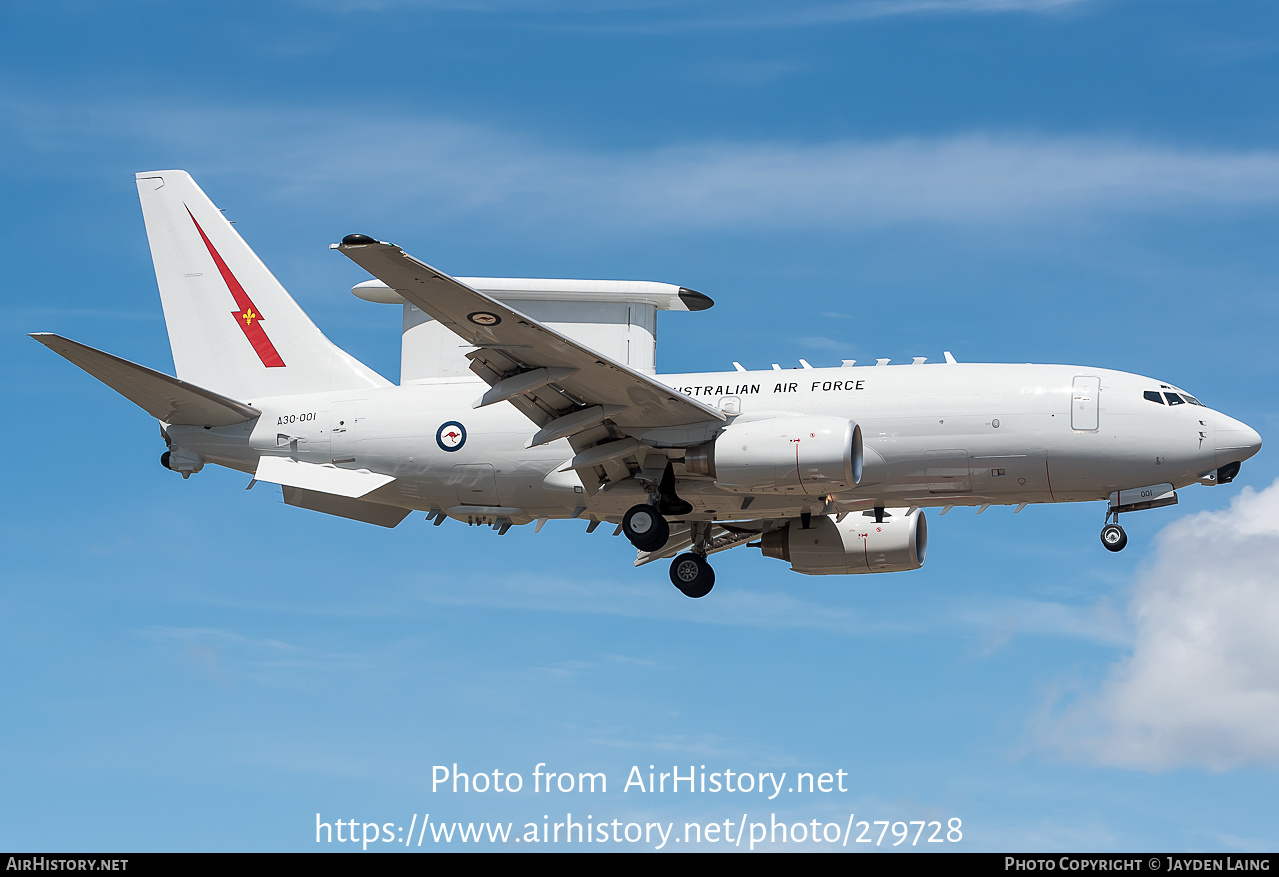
x=352 y=483
x=165 y=398
x=344 y=507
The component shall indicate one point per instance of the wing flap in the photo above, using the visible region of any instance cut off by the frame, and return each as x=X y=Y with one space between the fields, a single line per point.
x=165 y=398
x=351 y=483
x=345 y=507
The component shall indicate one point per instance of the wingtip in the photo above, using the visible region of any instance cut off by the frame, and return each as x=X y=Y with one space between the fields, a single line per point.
x=694 y=300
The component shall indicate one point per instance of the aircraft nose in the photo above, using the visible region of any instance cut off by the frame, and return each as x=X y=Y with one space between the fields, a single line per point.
x=1236 y=441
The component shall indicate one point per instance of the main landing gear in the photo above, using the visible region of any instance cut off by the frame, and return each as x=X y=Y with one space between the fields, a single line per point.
x=690 y=572
x=645 y=527
x=1113 y=535
x=648 y=530
x=692 y=575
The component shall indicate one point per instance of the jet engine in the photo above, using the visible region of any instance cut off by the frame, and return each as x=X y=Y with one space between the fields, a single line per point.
x=804 y=455
x=181 y=460
x=857 y=544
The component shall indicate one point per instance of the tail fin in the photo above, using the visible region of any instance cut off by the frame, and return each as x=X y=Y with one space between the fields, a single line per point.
x=232 y=326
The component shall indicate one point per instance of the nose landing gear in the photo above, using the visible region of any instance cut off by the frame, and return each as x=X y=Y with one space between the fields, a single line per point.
x=1135 y=499
x=1114 y=537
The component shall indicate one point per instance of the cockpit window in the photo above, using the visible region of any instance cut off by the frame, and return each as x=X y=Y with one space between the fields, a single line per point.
x=1174 y=399
x=1152 y=396
x=1192 y=400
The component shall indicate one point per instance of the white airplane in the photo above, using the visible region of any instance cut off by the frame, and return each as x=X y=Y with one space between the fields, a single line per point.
x=530 y=400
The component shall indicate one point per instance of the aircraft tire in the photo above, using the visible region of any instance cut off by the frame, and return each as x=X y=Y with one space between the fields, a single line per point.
x=645 y=527
x=1114 y=537
x=692 y=575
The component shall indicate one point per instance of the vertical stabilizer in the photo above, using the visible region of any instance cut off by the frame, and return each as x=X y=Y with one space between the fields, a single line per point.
x=232 y=326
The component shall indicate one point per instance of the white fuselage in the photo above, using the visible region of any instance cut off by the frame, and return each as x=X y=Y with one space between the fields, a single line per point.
x=934 y=435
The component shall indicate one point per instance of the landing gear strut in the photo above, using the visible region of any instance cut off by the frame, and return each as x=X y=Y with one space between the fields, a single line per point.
x=692 y=575
x=1113 y=535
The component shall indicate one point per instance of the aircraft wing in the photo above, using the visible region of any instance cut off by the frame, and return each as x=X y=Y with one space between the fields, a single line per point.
x=165 y=398
x=568 y=390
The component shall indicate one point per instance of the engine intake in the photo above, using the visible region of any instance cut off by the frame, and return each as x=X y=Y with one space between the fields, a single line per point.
x=855 y=545
x=803 y=455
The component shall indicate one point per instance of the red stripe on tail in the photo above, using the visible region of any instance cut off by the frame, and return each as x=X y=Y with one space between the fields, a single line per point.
x=248 y=317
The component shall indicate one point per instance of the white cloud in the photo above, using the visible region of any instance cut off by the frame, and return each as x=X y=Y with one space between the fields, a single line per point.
x=821 y=342
x=1201 y=686
x=660 y=16
x=967 y=180
x=224 y=655
x=443 y=171
x=447 y=169
x=999 y=622
x=823 y=14
x=780 y=609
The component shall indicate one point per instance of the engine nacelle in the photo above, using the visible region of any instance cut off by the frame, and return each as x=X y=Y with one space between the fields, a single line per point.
x=181 y=460
x=855 y=545
x=803 y=455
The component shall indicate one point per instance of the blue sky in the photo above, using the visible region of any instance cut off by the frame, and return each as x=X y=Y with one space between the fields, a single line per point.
x=187 y=666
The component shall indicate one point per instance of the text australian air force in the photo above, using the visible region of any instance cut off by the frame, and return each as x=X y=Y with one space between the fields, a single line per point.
x=787 y=387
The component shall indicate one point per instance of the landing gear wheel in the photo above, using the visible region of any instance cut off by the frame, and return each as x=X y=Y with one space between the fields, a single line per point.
x=645 y=527
x=1114 y=537
x=692 y=575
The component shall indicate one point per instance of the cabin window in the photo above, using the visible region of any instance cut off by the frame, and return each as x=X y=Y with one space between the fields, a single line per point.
x=1153 y=396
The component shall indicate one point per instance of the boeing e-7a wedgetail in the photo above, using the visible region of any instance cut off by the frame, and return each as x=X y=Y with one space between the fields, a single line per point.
x=530 y=400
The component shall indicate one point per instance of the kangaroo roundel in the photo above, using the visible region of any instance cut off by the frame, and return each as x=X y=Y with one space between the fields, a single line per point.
x=451 y=436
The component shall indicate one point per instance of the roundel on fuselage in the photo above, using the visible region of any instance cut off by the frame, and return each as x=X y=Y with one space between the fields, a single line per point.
x=450 y=436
